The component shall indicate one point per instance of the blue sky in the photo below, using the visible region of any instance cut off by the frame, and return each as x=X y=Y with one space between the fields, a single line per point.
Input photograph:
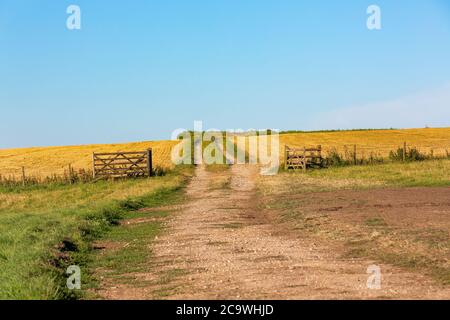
x=137 y=70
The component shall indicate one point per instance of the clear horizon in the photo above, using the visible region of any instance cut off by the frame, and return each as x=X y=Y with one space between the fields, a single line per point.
x=282 y=132
x=137 y=71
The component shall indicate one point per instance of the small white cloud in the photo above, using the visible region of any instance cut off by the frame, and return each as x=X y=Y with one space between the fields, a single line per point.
x=427 y=108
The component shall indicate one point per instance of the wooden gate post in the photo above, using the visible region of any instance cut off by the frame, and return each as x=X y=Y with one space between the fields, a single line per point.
x=304 y=159
x=93 y=165
x=24 y=179
x=70 y=173
x=319 y=153
x=404 y=151
x=286 y=157
x=149 y=162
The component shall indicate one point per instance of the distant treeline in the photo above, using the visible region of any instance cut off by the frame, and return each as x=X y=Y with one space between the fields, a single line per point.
x=333 y=130
x=269 y=131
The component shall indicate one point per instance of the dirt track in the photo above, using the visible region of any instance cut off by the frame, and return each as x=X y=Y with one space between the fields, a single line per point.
x=221 y=245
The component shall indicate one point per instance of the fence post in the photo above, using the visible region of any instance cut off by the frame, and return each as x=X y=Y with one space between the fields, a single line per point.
x=285 y=157
x=354 y=155
x=149 y=162
x=23 y=176
x=319 y=149
x=304 y=159
x=70 y=173
x=404 y=151
x=93 y=165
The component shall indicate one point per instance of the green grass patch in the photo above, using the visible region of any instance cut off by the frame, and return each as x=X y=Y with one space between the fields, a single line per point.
x=411 y=174
x=127 y=249
x=44 y=229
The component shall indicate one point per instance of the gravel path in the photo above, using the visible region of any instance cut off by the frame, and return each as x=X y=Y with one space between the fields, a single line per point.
x=221 y=245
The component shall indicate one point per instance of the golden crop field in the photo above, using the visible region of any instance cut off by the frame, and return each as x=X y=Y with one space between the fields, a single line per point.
x=45 y=161
x=379 y=142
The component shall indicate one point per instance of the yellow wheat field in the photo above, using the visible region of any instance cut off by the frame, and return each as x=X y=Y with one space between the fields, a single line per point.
x=46 y=161
x=378 y=142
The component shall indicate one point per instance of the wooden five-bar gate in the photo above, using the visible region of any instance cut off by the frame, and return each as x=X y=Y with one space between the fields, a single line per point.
x=122 y=164
x=303 y=158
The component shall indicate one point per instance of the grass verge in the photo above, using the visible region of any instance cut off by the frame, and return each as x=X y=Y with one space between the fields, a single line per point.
x=44 y=230
x=430 y=173
x=125 y=250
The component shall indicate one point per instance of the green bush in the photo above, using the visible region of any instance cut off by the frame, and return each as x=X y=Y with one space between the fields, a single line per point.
x=411 y=154
x=334 y=158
